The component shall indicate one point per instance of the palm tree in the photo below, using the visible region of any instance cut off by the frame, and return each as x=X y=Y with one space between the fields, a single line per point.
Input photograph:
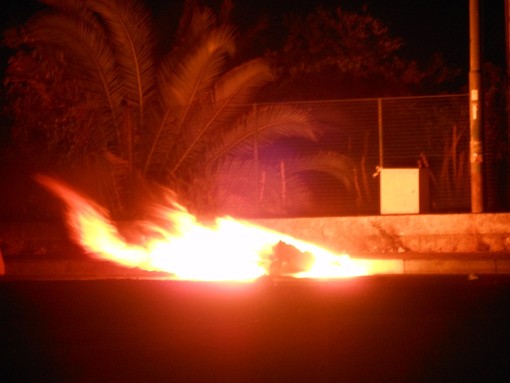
x=184 y=119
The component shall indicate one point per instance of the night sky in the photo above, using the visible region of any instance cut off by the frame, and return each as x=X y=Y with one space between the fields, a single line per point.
x=426 y=26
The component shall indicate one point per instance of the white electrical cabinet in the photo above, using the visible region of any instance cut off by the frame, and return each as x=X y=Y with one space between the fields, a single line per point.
x=404 y=191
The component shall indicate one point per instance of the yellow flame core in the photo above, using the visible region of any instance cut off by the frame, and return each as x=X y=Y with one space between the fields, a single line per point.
x=226 y=250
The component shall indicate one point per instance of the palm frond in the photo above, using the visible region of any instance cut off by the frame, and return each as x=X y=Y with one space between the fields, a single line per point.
x=197 y=72
x=237 y=86
x=263 y=124
x=90 y=55
x=332 y=163
x=158 y=138
x=129 y=27
x=226 y=11
x=116 y=182
x=196 y=21
x=229 y=101
x=235 y=90
x=193 y=78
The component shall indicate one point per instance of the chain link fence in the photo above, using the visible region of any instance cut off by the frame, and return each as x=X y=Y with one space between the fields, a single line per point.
x=428 y=132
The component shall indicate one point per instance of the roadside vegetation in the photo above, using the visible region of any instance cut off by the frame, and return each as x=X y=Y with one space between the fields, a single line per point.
x=103 y=99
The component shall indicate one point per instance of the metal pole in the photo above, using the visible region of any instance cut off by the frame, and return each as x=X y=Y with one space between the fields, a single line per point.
x=507 y=39
x=507 y=36
x=475 y=108
x=380 y=129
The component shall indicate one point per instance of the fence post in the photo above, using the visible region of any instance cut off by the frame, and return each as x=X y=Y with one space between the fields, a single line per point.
x=258 y=197
x=283 y=185
x=380 y=129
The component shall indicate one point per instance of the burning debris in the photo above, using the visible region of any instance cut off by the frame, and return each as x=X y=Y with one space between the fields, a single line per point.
x=287 y=260
x=187 y=249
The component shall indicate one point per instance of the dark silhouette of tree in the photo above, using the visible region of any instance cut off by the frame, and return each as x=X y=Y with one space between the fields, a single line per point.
x=346 y=54
x=89 y=85
x=495 y=138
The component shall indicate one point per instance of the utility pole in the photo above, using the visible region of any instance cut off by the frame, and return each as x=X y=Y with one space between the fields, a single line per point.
x=507 y=51
x=475 y=108
x=507 y=36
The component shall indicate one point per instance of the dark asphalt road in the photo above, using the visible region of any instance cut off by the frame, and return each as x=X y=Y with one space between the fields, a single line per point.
x=372 y=329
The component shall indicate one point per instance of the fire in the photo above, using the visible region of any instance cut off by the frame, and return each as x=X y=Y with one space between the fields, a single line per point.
x=177 y=243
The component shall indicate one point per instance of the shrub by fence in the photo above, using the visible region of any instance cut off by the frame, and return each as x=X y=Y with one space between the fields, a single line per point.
x=429 y=132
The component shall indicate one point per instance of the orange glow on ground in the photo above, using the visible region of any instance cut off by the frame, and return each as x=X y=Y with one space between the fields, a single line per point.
x=225 y=250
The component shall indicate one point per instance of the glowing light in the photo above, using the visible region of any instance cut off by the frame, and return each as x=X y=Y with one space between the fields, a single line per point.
x=224 y=250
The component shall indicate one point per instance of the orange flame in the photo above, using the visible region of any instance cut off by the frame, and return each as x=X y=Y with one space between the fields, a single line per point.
x=227 y=250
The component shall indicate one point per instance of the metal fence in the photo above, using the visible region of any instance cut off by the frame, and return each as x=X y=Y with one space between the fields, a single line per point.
x=430 y=132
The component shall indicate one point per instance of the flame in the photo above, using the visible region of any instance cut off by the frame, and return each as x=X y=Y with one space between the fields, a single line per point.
x=177 y=243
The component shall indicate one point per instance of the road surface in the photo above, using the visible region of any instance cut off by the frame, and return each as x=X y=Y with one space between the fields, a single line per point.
x=368 y=329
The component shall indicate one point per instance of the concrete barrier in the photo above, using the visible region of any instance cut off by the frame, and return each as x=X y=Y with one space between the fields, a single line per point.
x=394 y=244
x=420 y=233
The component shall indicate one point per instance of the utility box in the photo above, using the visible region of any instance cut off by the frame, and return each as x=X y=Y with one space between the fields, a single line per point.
x=404 y=191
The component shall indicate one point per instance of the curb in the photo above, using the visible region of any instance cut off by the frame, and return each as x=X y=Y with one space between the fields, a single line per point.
x=374 y=264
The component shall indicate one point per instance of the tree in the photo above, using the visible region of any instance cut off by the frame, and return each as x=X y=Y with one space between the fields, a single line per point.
x=183 y=118
x=344 y=54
